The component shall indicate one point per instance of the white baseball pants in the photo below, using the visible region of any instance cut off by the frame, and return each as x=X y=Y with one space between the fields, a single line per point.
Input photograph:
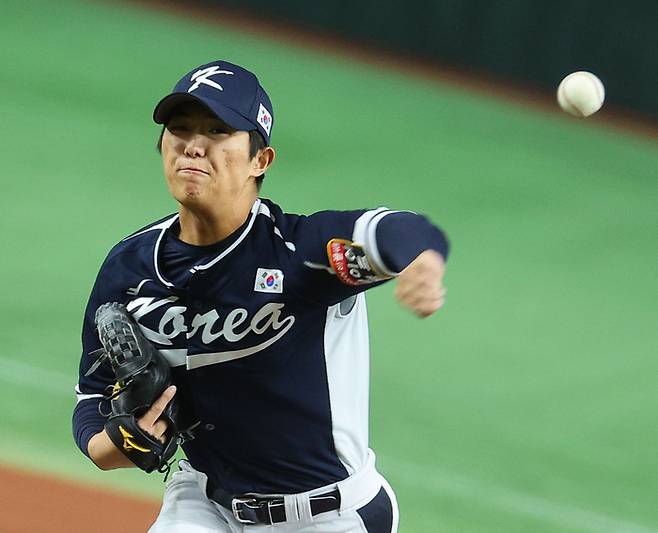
x=368 y=505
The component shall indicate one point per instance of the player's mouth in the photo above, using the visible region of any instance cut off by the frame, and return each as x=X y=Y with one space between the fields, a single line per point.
x=192 y=170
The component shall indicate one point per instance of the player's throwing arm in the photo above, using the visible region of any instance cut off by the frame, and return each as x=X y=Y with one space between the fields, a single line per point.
x=420 y=285
x=239 y=331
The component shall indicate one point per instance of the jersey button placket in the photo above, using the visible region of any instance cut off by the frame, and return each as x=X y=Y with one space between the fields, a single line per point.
x=196 y=305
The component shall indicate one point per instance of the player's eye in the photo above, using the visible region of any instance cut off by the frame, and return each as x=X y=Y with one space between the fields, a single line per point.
x=218 y=130
x=176 y=127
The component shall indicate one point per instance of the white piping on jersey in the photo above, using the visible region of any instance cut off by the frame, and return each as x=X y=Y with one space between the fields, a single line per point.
x=162 y=225
x=288 y=244
x=155 y=251
x=264 y=210
x=365 y=233
x=259 y=208
x=361 y=236
x=319 y=266
x=80 y=396
x=373 y=248
x=205 y=359
x=254 y=212
x=134 y=291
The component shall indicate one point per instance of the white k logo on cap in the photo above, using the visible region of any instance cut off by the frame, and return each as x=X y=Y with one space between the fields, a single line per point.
x=203 y=77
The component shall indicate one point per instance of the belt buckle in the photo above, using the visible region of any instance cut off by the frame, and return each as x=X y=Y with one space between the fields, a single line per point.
x=235 y=502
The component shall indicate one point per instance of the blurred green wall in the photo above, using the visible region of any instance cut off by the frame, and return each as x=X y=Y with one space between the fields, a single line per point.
x=529 y=41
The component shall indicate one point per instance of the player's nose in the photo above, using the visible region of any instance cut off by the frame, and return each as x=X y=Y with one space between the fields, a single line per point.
x=195 y=145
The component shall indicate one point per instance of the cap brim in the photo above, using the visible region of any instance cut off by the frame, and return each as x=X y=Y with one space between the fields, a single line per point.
x=164 y=108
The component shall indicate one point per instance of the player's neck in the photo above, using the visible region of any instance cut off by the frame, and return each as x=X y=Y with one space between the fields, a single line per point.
x=200 y=227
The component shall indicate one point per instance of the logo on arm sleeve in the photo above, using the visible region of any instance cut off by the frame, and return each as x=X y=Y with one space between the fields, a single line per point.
x=351 y=263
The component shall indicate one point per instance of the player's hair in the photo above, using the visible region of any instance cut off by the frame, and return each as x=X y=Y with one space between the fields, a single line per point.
x=256 y=142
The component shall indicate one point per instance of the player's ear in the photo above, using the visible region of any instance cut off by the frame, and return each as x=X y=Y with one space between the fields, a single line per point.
x=262 y=161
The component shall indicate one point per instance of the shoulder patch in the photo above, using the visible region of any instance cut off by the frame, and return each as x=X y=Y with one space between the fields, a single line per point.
x=351 y=264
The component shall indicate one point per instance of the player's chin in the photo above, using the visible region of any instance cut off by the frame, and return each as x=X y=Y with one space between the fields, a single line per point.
x=184 y=190
x=192 y=199
x=188 y=196
x=190 y=189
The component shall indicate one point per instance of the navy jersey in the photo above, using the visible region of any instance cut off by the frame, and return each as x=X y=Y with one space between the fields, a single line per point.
x=268 y=343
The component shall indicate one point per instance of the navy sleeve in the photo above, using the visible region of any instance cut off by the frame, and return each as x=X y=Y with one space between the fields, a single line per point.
x=90 y=390
x=87 y=421
x=403 y=236
x=390 y=240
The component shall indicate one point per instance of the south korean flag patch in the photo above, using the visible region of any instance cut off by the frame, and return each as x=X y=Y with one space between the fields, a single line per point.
x=269 y=280
x=264 y=118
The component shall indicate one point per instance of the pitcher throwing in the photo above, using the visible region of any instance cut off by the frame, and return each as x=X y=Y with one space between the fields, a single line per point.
x=261 y=315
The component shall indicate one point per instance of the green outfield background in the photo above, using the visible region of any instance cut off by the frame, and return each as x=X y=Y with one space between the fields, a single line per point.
x=528 y=404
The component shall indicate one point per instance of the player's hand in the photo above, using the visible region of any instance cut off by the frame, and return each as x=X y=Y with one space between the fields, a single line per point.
x=150 y=421
x=420 y=285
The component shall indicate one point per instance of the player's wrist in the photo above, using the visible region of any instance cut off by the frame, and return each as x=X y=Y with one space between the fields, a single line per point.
x=105 y=454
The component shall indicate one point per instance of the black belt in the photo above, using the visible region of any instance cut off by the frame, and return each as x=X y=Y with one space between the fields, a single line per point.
x=253 y=509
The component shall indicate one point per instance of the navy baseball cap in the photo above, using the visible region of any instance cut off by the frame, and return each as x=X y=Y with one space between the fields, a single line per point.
x=229 y=91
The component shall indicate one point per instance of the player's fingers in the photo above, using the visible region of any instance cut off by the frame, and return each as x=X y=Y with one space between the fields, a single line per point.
x=151 y=416
x=156 y=430
x=428 y=308
x=426 y=305
x=420 y=284
x=159 y=429
x=411 y=289
x=417 y=296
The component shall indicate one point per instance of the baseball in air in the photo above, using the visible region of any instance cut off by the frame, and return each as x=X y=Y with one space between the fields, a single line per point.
x=581 y=94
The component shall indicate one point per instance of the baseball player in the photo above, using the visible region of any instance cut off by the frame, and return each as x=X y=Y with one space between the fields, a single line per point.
x=261 y=315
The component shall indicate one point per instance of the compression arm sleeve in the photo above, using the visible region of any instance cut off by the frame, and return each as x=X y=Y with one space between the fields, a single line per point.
x=402 y=236
x=87 y=421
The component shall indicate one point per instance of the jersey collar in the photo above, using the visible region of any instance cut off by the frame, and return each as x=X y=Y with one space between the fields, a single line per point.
x=166 y=225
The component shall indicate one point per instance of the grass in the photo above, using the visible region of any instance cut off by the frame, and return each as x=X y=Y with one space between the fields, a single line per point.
x=527 y=404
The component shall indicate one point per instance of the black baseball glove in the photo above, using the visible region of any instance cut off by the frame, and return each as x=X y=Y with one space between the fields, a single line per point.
x=142 y=374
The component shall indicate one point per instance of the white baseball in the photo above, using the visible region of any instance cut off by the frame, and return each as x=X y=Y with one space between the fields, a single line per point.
x=581 y=94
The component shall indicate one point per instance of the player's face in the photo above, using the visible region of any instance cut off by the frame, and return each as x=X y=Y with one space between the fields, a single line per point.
x=206 y=162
